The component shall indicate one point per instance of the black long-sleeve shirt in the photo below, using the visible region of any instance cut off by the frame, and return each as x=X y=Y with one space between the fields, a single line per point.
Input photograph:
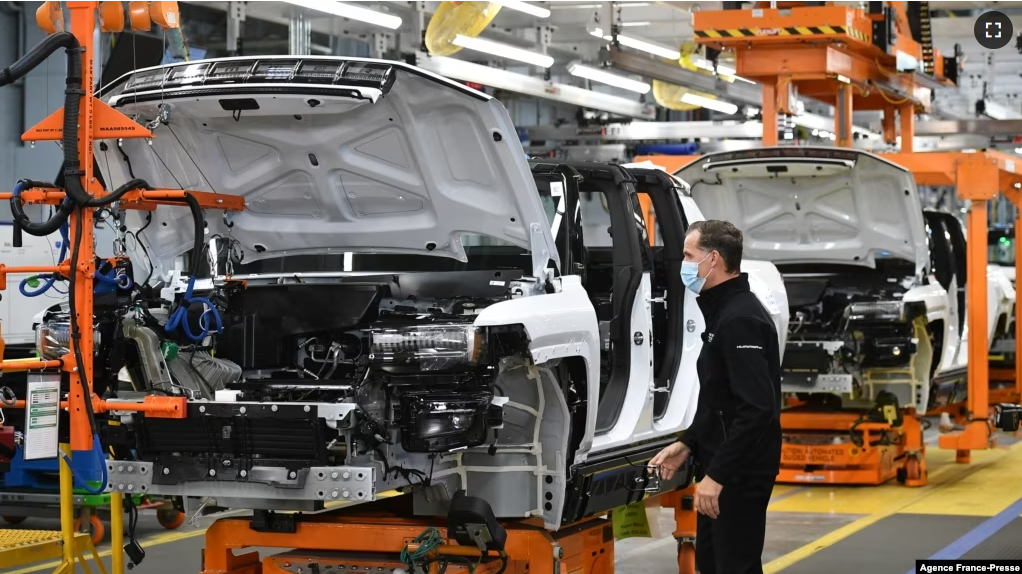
x=736 y=434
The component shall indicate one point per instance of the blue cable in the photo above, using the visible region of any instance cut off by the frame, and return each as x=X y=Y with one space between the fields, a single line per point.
x=180 y=316
x=119 y=280
x=78 y=481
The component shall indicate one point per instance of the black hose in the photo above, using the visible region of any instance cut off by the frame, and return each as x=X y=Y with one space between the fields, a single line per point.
x=38 y=55
x=200 y=228
x=76 y=348
x=51 y=225
x=18 y=240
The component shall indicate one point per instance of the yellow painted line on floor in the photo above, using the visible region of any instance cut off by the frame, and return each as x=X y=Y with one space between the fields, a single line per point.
x=986 y=492
x=157 y=540
x=827 y=499
x=940 y=479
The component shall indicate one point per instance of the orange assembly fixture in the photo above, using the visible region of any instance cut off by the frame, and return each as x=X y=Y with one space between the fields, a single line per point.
x=830 y=53
x=842 y=56
x=97 y=121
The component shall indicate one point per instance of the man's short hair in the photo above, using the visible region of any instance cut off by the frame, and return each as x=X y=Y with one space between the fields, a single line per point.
x=722 y=237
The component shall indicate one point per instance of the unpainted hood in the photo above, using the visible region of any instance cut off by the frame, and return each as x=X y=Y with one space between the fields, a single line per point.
x=813 y=205
x=331 y=155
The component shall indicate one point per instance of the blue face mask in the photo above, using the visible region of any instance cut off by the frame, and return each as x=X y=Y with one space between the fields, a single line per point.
x=690 y=275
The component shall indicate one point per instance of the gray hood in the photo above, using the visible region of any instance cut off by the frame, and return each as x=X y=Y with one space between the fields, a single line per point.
x=331 y=155
x=813 y=205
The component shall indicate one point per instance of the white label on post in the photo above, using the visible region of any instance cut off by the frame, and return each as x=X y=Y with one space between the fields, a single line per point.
x=42 y=409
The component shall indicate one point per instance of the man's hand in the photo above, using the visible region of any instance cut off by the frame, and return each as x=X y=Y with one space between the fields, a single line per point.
x=708 y=496
x=671 y=459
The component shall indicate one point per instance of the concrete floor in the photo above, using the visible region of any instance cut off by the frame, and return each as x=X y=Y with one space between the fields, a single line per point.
x=810 y=529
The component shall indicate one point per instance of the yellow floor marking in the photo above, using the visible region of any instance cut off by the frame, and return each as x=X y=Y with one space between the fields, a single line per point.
x=782 y=489
x=824 y=499
x=940 y=480
x=164 y=538
x=985 y=492
x=146 y=543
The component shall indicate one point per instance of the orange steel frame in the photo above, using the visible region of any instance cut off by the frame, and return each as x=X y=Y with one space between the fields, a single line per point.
x=846 y=70
x=838 y=69
x=97 y=121
x=585 y=548
x=362 y=539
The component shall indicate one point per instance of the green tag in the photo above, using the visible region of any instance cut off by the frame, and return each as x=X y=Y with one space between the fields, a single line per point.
x=631 y=521
x=33 y=281
x=169 y=350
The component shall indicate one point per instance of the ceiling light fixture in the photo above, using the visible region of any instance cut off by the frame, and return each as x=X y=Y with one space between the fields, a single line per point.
x=723 y=107
x=534 y=86
x=703 y=63
x=631 y=24
x=352 y=12
x=605 y=77
x=525 y=7
x=503 y=51
x=656 y=50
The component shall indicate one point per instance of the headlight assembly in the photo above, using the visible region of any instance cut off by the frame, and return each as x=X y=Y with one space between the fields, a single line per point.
x=876 y=311
x=439 y=421
x=53 y=339
x=430 y=347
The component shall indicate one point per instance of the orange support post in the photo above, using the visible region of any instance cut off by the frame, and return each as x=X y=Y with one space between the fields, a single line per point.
x=83 y=25
x=978 y=177
x=769 y=114
x=685 y=520
x=1018 y=310
x=906 y=113
x=843 y=116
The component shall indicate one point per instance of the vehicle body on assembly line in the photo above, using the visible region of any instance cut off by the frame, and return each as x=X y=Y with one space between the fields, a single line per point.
x=876 y=284
x=501 y=364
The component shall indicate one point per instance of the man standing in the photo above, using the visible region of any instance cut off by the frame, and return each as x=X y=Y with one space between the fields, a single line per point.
x=735 y=438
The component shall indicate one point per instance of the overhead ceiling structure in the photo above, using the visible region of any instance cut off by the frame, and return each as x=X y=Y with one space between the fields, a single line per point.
x=615 y=57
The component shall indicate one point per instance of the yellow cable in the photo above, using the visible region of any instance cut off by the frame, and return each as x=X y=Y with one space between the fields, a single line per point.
x=884 y=95
x=882 y=70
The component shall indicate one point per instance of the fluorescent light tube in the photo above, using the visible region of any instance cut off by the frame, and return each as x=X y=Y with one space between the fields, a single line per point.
x=351 y=11
x=703 y=63
x=663 y=52
x=534 y=86
x=723 y=107
x=504 y=51
x=605 y=77
x=629 y=24
x=525 y=7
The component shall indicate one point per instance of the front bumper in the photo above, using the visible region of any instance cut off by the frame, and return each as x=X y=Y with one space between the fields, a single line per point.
x=807 y=366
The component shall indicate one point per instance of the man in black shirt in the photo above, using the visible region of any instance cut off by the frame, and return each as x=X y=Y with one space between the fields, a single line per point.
x=735 y=439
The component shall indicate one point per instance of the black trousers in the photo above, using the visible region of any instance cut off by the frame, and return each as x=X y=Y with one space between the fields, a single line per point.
x=732 y=543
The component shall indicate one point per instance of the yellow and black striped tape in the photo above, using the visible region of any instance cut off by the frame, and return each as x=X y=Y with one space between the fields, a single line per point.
x=795 y=31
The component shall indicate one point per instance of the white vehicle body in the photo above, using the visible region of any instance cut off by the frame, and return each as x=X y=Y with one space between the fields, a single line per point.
x=860 y=260
x=18 y=312
x=347 y=160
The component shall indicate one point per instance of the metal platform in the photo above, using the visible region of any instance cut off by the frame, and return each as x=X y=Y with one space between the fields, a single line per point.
x=21 y=547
